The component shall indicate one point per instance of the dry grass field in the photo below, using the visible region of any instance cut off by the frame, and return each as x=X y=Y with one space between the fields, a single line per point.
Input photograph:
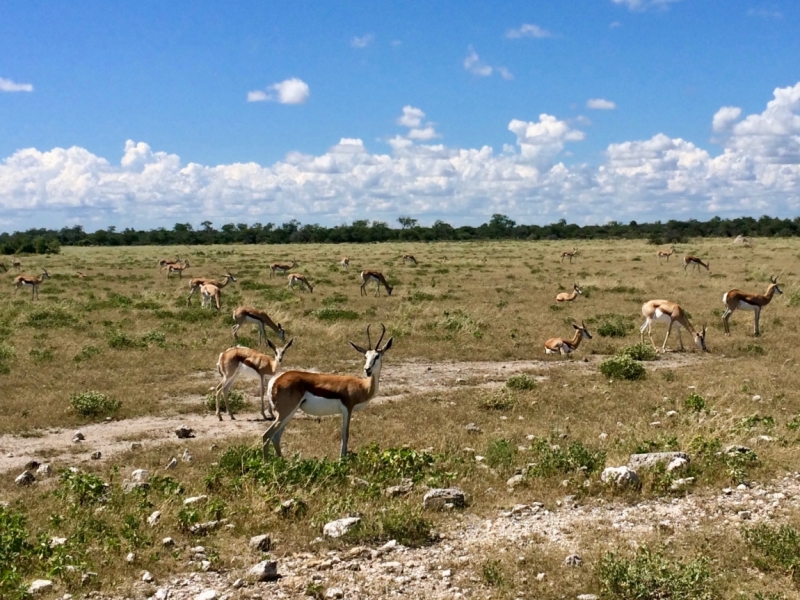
x=469 y=324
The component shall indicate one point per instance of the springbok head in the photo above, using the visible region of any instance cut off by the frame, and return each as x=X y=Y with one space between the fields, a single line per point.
x=774 y=285
x=279 y=351
x=700 y=339
x=582 y=330
x=372 y=363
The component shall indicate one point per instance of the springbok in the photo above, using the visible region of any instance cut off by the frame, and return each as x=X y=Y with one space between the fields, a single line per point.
x=198 y=282
x=669 y=312
x=569 y=296
x=569 y=255
x=209 y=292
x=345 y=262
x=178 y=267
x=240 y=359
x=279 y=269
x=248 y=314
x=661 y=254
x=735 y=299
x=297 y=278
x=562 y=346
x=409 y=258
x=378 y=278
x=695 y=262
x=319 y=394
x=32 y=281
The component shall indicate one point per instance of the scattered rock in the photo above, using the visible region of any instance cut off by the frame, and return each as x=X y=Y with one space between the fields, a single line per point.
x=96 y=455
x=57 y=541
x=677 y=464
x=140 y=475
x=183 y=432
x=40 y=586
x=681 y=484
x=173 y=462
x=204 y=528
x=44 y=470
x=653 y=459
x=238 y=583
x=588 y=597
x=206 y=595
x=620 y=476
x=129 y=486
x=573 y=560
x=78 y=437
x=260 y=543
x=25 y=478
x=266 y=570
x=405 y=487
x=195 y=500
x=386 y=548
x=167 y=542
x=756 y=398
x=334 y=593
x=147 y=577
x=736 y=449
x=186 y=457
x=131 y=557
x=338 y=528
x=161 y=594
x=472 y=428
x=744 y=515
x=440 y=498
x=136 y=446
x=154 y=518
x=516 y=480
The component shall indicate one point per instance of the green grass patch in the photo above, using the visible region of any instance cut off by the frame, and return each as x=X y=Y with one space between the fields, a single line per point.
x=333 y=313
x=93 y=404
x=622 y=367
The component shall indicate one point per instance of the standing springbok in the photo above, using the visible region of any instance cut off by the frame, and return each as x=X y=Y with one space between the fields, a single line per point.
x=279 y=269
x=569 y=296
x=31 y=280
x=208 y=291
x=248 y=314
x=695 y=262
x=661 y=254
x=378 y=278
x=16 y=264
x=319 y=394
x=562 y=346
x=297 y=278
x=669 y=312
x=345 y=263
x=240 y=359
x=178 y=267
x=196 y=283
x=735 y=299
x=569 y=255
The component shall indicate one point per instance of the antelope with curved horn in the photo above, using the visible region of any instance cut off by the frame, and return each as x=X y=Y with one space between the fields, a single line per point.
x=735 y=299
x=569 y=255
x=409 y=258
x=16 y=264
x=319 y=394
x=32 y=281
x=562 y=346
x=297 y=278
x=162 y=264
x=279 y=269
x=209 y=292
x=178 y=267
x=248 y=314
x=661 y=254
x=569 y=296
x=378 y=278
x=240 y=359
x=198 y=282
x=695 y=262
x=345 y=263
x=669 y=312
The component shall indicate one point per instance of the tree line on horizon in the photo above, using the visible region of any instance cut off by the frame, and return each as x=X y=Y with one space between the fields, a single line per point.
x=499 y=227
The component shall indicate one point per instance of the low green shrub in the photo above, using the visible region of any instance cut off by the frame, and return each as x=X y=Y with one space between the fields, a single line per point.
x=497 y=400
x=333 y=313
x=695 y=402
x=93 y=404
x=521 y=382
x=549 y=459
x=775 y=547
x=86 y=353
x=500 y=453
x=640 y=351
x=622 y=367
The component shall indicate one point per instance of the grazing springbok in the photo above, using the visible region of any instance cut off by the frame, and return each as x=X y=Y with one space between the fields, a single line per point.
x=562 y=346
x=695 y=262
x=240 y=359
x=569 y=255
x=178 y=267
x=345 y=263
x=279 y=269
x=743 y=301
x=209 y=292
x=669 y=312
x=378 y=278
x=196 y=283
x=248 y=314
x=297 y=278
x=32 y=281
x=409 y=258
x=661 y=254
x=16 y=264
x=569 y=296
x=319 y=394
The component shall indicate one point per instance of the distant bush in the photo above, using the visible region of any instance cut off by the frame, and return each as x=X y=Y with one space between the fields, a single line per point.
x=640 y=351
x=333 y=313
x=40 y=355
x=93 y=404
x=523 y=381
x=500 y=453
x=549 y=459
x=612 y=329
x=50 y=318
x=122 y=341
x=497 y=400
x=86 y=353
x=695 y=402
x=622 y=367
x=777 y=547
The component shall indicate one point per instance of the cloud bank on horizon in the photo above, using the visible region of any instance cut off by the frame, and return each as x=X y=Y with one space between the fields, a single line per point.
x=758 y=171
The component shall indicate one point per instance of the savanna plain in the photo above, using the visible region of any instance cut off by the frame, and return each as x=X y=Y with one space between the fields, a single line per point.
x=468 y=399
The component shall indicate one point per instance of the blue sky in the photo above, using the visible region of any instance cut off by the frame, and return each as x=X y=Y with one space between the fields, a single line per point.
x=138 y=114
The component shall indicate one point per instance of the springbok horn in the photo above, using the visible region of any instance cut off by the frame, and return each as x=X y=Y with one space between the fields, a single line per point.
x=369 y=342
x=383 y=331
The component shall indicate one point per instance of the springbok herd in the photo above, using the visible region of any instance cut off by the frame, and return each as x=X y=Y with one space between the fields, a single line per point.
x=318 y=394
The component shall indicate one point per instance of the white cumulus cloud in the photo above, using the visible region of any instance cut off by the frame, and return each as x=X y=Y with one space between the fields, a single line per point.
x=637 y=5
x=600 y=104
x=725 y=117
x=289 y=91
x=7 y=85
x=476 y=66
x=411 y=117
x=528 y=30
x=363 y=41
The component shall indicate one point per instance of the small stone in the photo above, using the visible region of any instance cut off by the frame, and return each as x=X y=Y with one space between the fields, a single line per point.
x=681 y=484
x=87 y=577
x=655 y=424
x=678 y=463
x=129 y=486
x=260 y=543
x=472 y=428
x=131 y=557
x=173 y=462
x=447 y=573
x=439 y=498
x=204 y=528
x=167 y=542
x=334 y=593
x=78 y=437
x=140 y=475
x=136 y=446
x=405 y=487
x=96 y=455
x=516 y=480
x=386 y=548
x=744 y=515
x=573 y=560
x=206 y=595
x=238 y=583
x=736 y=449
x=25 y=478
x=183 y=433
x=765 y=439
x=588 y=597
x=727 y=491
x=154 y=518
x=338 y=528
x=161 y=594
x=540 y=576
x=44 y=470
x=195 y=500
x=40 y=586
x=266 y=570
x=147 y=577
x=57 y=541
x=649 y=460
x=756 y=398
x=186 y=457
x=620 y=476
x=670 y=414
x=392 y=567
x=205 y=565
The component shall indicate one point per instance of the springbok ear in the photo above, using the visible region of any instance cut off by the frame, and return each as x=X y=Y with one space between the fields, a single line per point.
x=271 y=345
x=386 y=346
x=358 y=348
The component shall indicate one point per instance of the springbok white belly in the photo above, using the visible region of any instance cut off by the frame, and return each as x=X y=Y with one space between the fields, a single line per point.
x=249 y=319
x=745 y=306
x=248 y=371
x=318 y=406
x=661 y=316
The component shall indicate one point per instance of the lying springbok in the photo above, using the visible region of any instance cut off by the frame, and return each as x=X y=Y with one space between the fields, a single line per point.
x=735 y=299
x=32 y=281
x=562 y=346
x=279 y=269
x=248 y=314
x=240 y=359
x=569 y=297
x=378 y=278
x=669 y=312
x=297 y=278
x=198 y=282
x=319 y=394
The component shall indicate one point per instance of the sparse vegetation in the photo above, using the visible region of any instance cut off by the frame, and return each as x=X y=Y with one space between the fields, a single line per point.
x=775 y=547
x=622 y=367
x=641 y=351
x=93 y=404
x=521 y=382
